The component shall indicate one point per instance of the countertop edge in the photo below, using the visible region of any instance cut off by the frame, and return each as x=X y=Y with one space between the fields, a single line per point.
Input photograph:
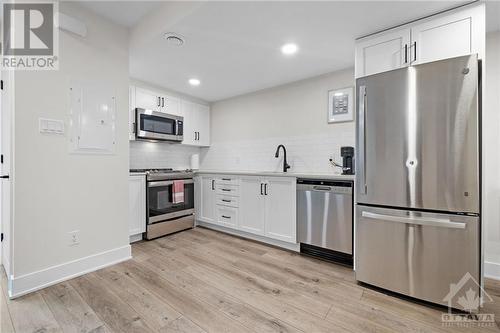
x=277 y=174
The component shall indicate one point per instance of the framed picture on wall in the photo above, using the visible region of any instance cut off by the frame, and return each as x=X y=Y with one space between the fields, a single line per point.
x=340 y=105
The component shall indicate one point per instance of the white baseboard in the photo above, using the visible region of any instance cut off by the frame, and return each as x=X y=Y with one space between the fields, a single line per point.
x=24 y=284
x=135 y=238
x=262 y=239
x=492 y=270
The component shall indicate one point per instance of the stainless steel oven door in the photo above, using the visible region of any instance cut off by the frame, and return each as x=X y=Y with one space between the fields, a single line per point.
x=152 y=125
x=160 y=201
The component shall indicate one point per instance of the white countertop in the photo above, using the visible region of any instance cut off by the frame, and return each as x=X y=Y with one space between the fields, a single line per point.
x=311 y=175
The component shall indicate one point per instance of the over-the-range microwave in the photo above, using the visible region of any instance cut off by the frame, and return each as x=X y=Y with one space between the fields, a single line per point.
x=153 y=125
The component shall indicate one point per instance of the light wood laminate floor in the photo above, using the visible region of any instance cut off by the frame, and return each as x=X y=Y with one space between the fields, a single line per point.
x=205 y=281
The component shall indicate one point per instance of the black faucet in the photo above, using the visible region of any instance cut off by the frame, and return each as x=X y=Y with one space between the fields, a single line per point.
x=285 y=165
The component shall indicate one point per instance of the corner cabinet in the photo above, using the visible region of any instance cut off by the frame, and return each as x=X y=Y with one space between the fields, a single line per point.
x=263 y=206
x=137 y=204
x=451 y=34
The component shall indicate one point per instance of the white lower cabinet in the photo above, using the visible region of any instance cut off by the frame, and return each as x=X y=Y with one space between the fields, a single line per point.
x=137 y=204
x=263 y=206
x=207 y=199
x=252 y=212
x=280 y=212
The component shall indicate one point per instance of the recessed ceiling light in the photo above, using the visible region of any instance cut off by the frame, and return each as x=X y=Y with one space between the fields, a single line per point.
x=174 y=39
x=194 y=82
x=289 y=49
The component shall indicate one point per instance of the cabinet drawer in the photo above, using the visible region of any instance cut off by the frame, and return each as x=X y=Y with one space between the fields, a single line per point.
x=227 y=216
x=224 y=189
x=225 y=200
x=227 y=180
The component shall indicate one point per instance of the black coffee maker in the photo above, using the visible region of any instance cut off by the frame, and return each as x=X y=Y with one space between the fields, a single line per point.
x=347 y=154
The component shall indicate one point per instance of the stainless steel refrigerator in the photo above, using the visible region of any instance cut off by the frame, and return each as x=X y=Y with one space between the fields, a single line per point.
x=418 y=180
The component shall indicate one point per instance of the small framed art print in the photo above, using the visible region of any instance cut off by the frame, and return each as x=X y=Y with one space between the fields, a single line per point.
x=340 y=105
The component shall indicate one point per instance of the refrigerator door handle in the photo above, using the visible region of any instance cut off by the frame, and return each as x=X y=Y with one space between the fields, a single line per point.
x=424 y=221
x=362 y=139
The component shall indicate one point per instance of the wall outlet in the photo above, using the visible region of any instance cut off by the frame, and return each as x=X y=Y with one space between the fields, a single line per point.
x=74 y=237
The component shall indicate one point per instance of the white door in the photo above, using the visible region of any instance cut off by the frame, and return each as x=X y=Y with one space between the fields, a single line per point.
x=252 y=213
x=6 y=102
x=280 y=208
x=207 y=211
x=188 y=112
x=137 y=204
x=147 y=99
x=203 y=125
x=441 y=38
x=382 y=53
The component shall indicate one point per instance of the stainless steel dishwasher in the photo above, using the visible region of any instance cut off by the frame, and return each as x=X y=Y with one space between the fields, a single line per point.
x=324 y=218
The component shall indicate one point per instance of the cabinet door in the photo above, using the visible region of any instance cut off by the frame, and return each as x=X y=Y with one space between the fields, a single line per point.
x=189 y=123
x=137 y=204
x=449 y=36
x=203 y=125
x=147 y=99
x=170 y=105
x=280 y=208
x=382 y=53
x=251 y=208
x=207 y=204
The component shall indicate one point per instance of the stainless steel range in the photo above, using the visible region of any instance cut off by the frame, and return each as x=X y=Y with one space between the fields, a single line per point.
x=169 y=201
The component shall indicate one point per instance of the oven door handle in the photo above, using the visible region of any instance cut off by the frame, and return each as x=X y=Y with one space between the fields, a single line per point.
x=167 y=182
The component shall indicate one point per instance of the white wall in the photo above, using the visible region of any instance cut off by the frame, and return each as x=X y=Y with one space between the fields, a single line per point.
x=147 y=155
x=56 y=192
x=247 y=129
x=491 y=126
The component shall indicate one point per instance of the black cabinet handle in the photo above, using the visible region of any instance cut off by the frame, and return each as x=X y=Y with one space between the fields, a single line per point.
x=415 y=51
x=5 y=177
x=224 y=200
x=261 y=190
x=226 y=217
x=265 y=189
x=227 y=179
x=159 y=101
x=213 y=184
x=162 y=102
x=226 y=190
x=406 y=53
x=198 y=136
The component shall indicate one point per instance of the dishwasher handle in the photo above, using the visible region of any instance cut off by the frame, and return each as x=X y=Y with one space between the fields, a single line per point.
x=324 y=188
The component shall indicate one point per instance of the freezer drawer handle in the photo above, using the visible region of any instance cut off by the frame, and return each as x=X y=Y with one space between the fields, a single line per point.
x=416 y=220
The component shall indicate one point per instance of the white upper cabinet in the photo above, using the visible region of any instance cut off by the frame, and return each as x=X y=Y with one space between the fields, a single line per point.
x=196 y=116
x=152 y=100
x=448 y=36
x=452 y=34
x=382 y=53
x=196 y=124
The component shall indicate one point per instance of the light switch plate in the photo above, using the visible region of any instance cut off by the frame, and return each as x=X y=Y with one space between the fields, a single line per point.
x=51 y=126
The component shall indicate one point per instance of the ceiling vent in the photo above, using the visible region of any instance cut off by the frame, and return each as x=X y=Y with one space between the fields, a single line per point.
x=173 y=39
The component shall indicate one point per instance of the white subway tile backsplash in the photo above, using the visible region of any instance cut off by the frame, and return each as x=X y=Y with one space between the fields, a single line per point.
x=145 y=155
x=305 y=153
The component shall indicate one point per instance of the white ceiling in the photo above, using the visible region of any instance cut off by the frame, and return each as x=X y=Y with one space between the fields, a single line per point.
x=234 y=47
